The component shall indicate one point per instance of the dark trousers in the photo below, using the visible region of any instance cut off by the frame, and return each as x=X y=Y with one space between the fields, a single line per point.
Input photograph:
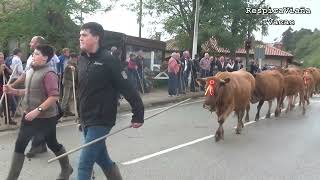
x=39 y=127
x=38 y=140
x=193 y=83
x=186 y=80
x=172 y=84
x=132 y=77
x=181 y=83
x=204 y=73
x=141 y=80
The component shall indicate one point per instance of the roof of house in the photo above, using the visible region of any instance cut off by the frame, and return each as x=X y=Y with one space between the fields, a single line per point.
x=212 y=45
x=172 y=45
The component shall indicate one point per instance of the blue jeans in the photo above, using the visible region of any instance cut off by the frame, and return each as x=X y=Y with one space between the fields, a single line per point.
x=95 y=153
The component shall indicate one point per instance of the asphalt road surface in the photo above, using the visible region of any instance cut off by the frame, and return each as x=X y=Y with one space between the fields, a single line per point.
x=179 y=145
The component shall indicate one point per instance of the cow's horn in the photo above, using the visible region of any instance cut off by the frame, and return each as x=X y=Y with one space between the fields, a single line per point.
x=222 y=81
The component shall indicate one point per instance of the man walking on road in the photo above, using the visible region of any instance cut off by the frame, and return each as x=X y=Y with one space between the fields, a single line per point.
x=100 y=82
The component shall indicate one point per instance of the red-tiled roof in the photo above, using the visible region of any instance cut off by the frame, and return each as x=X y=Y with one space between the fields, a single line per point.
x=171 y=45
x=212 y=45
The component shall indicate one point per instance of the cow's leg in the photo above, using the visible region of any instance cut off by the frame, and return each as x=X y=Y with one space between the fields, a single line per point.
x=240 y=122
x=302 y=100
x=269 y=109
x=282 y=103
x=294 y=97
x=289 y=104
x=293 y=103
x=280 y=100
x=247 y=112
x=307 y=97
x=219 y=132
x=258 y=110
x=221 y=118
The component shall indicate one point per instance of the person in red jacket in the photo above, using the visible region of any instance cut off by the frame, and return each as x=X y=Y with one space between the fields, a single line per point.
x=173 y=70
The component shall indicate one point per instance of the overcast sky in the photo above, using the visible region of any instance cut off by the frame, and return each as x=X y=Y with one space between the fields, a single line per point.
x=122 y=20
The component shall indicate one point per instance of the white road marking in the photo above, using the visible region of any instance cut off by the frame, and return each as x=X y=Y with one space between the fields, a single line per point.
x=166 y=150
x=185 y=144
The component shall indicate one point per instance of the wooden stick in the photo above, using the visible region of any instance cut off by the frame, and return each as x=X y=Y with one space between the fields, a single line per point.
x=108 y=135
x=74 y=96
x=6 y=100
x=14 y=70
x=18 y=107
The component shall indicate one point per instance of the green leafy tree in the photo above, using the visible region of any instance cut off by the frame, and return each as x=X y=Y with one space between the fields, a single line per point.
x=288 y=40
x=55 y=20
x=225 y=20
x=304 y=44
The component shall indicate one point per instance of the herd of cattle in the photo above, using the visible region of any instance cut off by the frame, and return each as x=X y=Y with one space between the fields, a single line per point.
x=234 y=91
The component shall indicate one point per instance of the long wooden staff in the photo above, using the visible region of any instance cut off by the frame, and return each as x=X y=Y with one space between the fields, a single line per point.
x=74 y=96
x=104 y=137
x=6 y=99
x=14 y=70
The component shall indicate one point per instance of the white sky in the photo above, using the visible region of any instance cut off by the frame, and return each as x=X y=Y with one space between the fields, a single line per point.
x=122 y=20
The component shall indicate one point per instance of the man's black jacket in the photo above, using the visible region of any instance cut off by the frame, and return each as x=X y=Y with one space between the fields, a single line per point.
x=100 y=82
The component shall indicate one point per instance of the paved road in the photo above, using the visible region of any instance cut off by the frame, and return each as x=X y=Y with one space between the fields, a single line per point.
x=179 y=145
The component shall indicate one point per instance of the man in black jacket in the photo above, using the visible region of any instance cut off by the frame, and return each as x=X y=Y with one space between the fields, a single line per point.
x=185 y=69
x=100 y=82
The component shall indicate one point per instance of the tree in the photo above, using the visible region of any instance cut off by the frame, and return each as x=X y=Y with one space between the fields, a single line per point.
x=304 y=44
x=55 y=20
x=225 y=20
x=288 y=40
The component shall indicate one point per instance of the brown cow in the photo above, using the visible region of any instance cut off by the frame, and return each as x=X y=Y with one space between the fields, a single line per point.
x=269 y=85
x=290 y=71
x=227 y=92
x=294 y=85
x=316 y=77
x=309 y=85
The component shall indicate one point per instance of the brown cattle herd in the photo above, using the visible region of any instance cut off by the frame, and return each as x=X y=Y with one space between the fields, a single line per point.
x=228 y=92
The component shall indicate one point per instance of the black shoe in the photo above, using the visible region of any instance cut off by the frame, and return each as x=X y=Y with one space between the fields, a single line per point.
x=66 y=169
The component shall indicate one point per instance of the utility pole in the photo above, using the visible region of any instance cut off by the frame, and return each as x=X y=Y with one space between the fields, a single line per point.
x=140 y=18
x=81 y=17
x=247 y=48
x=196 y=29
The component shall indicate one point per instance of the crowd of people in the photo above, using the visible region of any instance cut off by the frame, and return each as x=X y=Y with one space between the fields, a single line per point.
x=183 y=71
x=48 y=81
x=63 y=65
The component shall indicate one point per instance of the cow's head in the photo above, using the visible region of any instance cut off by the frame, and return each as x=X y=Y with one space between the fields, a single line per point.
x=214 y=88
